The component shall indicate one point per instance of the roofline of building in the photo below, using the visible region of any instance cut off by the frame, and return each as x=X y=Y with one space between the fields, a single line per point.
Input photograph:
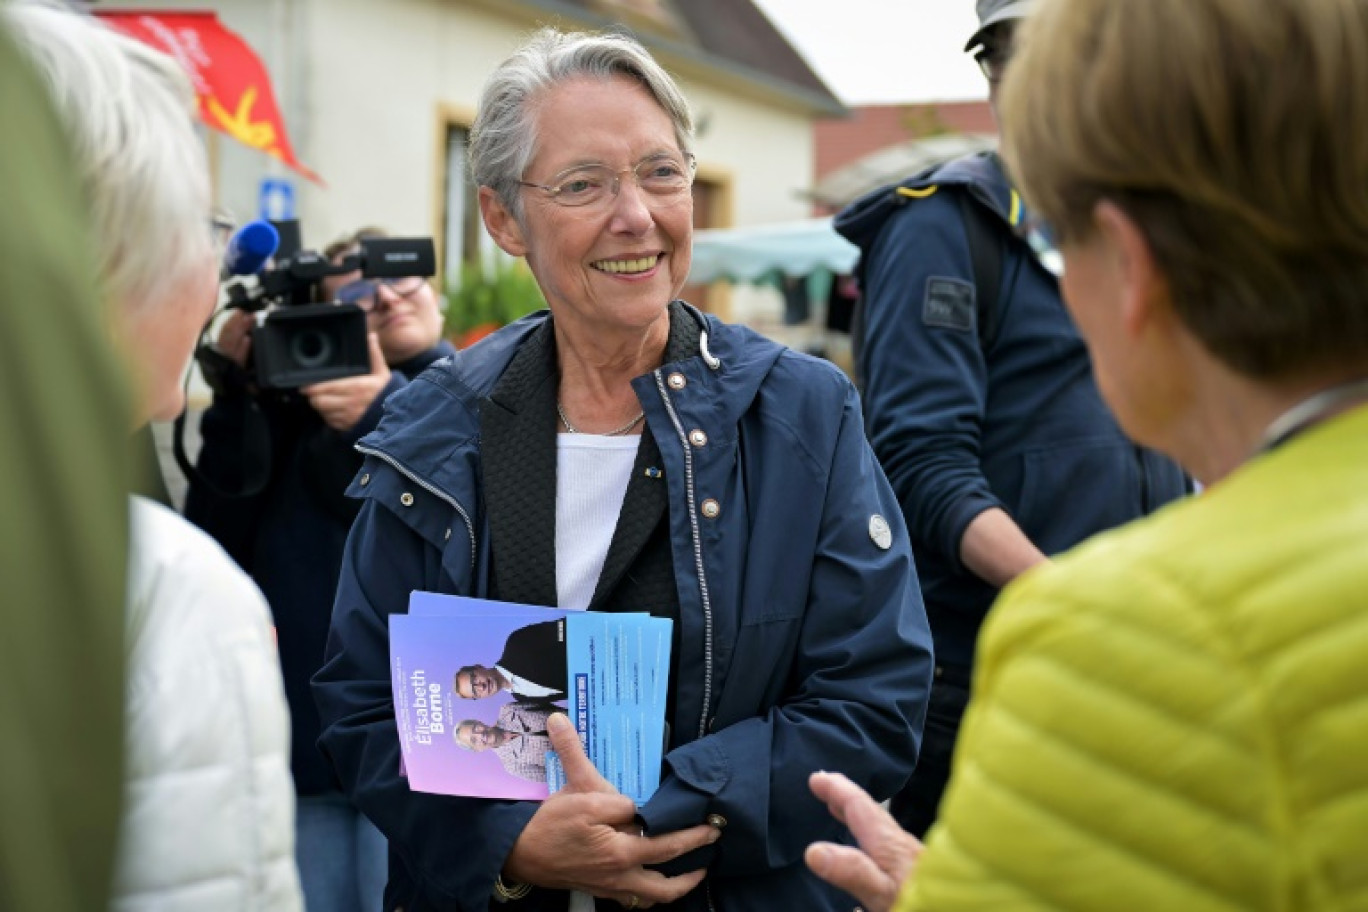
x=690 y=60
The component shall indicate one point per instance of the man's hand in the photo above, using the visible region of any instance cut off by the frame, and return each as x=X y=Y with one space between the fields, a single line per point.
x=235 y=336
x=875 y=872
x=341 y=403
x=584 y=838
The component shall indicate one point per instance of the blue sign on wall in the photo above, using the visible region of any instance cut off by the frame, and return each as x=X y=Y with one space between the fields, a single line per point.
x=276 y=199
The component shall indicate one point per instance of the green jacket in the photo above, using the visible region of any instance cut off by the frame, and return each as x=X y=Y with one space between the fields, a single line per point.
x=63 y=525
x=1174 y=716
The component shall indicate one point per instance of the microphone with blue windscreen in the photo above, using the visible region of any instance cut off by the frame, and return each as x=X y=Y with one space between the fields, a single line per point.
x=250 y=248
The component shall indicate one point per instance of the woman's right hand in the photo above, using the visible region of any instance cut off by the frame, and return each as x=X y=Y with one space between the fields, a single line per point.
x=584 y=837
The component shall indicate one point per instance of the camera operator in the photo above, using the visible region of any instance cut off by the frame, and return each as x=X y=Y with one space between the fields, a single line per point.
x=290 y=534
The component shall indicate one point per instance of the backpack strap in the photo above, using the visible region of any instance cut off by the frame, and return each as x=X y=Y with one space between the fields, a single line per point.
x=984 y=232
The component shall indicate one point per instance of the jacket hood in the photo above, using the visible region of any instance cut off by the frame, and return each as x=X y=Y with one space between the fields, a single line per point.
x=436 y=414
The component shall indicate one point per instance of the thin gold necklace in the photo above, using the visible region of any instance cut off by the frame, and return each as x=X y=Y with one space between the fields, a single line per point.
x=617 y=433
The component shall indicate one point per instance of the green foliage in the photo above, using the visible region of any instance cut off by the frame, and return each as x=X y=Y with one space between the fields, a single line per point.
x=491 y=296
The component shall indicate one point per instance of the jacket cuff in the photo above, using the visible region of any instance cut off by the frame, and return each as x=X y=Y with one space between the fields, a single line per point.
x=958 y=520
x=674 y=808
x=696 y=773
x=501 y=842
x=677 y=806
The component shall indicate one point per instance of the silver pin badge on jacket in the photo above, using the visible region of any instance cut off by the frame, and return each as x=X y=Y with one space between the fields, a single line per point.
x=880 y=532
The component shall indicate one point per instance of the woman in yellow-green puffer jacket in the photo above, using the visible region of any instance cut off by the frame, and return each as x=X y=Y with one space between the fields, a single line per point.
x=1174 y=716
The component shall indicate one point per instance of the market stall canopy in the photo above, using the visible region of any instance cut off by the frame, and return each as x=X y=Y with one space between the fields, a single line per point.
x=759 y=253
x=231 y=85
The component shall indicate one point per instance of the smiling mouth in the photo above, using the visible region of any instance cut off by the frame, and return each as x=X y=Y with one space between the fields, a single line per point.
x=627 y=267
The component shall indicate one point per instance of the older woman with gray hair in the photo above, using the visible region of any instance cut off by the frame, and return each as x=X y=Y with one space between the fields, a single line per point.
x=208 y=803
x=623 y=451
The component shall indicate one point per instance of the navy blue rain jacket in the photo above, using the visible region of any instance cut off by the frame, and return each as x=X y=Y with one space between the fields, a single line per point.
x=960 y=429
x=804 y=645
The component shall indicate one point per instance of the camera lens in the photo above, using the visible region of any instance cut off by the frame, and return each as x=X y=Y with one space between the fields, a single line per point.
x=311 y=349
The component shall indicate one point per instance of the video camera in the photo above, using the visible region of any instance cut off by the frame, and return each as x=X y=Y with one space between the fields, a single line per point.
x=303 y=340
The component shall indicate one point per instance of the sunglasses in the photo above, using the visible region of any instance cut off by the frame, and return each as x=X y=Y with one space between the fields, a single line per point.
x=365 y=293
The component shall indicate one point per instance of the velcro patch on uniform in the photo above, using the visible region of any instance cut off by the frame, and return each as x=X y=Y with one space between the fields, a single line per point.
x=949 y=304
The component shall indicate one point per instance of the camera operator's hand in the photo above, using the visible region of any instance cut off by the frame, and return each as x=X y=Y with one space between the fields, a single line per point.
x=341 y=403
x=235 y=337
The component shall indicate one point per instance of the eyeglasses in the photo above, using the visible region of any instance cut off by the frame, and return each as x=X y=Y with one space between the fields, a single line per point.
x=221 y=227
x=365 y=293
x=664 y=177
x=993 y=61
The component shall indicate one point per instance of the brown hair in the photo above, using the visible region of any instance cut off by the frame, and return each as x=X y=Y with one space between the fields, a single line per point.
x=349 y=243
x=1235 y=134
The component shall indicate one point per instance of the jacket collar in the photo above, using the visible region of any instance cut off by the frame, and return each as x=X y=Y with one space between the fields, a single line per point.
x=984 y=177
x=435 y=417
x=981 y=175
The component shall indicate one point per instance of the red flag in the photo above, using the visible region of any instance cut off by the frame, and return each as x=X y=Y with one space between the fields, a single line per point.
x=234 y=92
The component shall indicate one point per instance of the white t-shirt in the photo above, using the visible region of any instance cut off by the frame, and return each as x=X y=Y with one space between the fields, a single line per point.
x=592 y=472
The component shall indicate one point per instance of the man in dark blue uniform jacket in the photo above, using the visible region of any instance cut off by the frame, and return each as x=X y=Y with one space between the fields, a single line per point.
x=981 y=403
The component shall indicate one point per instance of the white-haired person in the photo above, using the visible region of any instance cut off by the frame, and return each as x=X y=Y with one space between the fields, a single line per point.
x=1175 y=715
x=207 y=821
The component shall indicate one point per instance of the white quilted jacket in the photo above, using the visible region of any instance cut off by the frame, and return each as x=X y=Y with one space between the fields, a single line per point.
x=208 y=821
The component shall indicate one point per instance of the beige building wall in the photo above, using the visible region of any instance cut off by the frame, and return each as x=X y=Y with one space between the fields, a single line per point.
x=367 y=86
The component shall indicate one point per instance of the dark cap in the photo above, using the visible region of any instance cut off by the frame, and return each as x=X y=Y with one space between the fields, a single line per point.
x=991 y=12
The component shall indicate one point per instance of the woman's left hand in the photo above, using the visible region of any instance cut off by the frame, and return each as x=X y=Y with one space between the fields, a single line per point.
x=584 y=838
x=875 y=872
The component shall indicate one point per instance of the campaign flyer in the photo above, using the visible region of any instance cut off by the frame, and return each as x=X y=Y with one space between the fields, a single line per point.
x=455 y=741
x=617 y=696
x=475 y=680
